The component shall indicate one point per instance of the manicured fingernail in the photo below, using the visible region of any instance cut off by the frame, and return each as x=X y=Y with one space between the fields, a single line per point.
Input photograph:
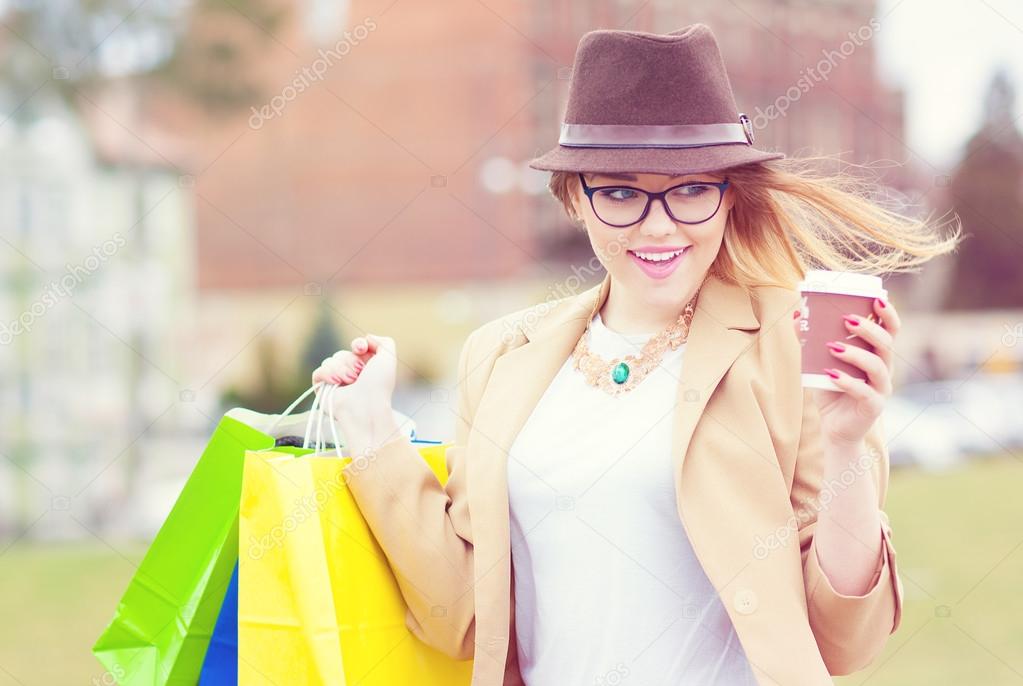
x=837 y=347
x=335 y=378
x=832 y=373
x=881 y=303
x=795 y=315
x=852 y=322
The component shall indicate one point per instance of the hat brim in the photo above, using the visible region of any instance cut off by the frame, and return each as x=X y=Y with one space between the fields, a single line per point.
x=676 y=161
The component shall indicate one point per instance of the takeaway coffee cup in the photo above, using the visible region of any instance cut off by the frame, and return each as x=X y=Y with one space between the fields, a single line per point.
x=826 y=297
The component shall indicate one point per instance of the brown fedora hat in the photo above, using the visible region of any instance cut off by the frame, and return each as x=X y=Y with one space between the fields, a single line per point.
x=647 y=102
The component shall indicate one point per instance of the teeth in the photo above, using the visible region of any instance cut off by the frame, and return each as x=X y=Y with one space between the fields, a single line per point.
x=658 y=256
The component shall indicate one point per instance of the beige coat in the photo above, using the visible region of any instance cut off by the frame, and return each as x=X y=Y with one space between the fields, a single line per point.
x=748 y=475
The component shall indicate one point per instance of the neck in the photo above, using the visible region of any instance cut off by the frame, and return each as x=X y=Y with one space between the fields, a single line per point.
x=625 y=313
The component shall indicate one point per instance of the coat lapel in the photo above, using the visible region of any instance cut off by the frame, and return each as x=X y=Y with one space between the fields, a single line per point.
x=720 y=332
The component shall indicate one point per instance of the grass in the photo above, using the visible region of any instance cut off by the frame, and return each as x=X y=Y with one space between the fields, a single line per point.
x=55 y=602
x=958 y=536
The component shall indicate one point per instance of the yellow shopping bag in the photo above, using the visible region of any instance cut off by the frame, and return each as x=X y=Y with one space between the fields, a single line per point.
x=317 y=601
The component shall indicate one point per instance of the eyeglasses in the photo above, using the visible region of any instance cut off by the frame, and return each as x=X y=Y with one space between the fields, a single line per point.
x=688 y=203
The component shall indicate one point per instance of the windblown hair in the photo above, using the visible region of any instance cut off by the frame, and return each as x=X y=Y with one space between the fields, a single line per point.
x=790 y=215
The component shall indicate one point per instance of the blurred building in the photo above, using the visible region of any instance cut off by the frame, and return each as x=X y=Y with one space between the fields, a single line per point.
x=396 y=138
x=382 y=164
x=97 y=277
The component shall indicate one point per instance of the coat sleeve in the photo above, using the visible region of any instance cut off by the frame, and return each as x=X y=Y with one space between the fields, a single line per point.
x=851 y=630
x=424 y=529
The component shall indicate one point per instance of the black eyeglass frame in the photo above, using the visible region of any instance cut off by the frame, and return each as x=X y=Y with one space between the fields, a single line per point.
x=722 y=186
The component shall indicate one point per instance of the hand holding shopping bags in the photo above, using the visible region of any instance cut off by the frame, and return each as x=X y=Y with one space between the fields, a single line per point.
x=162 y=627
x=318 y=603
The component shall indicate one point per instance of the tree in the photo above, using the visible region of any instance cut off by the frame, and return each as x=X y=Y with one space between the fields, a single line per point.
x=986 y=191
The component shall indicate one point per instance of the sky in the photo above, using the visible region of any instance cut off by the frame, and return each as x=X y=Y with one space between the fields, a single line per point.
x=943 y=54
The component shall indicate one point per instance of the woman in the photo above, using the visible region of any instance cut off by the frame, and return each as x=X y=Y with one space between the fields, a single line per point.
x=690 y=516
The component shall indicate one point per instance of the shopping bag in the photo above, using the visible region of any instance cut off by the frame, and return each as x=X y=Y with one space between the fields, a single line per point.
x=317 y=600
x=220 y=667
x=164 y=620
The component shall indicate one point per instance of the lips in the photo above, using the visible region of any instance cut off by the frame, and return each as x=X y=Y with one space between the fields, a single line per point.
x=658 y=268
x=659 y=254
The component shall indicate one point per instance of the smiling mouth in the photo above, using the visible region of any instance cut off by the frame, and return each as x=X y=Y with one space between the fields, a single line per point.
x=659 y=258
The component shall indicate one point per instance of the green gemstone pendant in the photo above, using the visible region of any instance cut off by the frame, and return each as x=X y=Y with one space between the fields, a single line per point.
x=620 y=373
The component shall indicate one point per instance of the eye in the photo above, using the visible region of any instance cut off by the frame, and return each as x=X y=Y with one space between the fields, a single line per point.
x=693 y=190
x=618 y=194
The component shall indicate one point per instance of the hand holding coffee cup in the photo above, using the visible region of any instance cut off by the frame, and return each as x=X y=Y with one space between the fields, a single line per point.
x=846 y=328
x=831 y=305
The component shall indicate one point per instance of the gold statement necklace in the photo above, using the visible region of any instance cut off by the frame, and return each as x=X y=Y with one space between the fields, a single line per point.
x=621 y=375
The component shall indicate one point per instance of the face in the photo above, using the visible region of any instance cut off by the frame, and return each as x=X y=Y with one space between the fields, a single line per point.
x=628 y=254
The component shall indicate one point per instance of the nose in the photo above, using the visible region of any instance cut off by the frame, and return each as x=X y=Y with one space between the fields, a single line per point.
x=657 y=222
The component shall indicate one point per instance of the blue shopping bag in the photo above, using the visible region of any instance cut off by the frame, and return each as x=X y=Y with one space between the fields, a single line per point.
x=220 y=666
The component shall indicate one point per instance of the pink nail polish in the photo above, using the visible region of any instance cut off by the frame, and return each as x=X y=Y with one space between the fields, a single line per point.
x=881 y=303
x=852 y=322
x=832 y=373
x=837 y=347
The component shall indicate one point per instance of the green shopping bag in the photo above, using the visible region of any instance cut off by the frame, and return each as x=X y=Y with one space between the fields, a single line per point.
x=163 y=623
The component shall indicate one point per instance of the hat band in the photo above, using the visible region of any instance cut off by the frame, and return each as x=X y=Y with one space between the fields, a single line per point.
x=653 y=135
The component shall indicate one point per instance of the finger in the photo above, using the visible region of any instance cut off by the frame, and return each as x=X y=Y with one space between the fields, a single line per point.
x=365 y=344
x=343 y=374
x=365 y=347
x=887 y=316
x=871 y=363
x=344 y=358
x=343 y=366
x=322 y=376
x=862 y=392
x=870 y=331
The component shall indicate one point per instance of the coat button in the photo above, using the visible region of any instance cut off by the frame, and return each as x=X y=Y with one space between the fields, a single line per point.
x=745 y=601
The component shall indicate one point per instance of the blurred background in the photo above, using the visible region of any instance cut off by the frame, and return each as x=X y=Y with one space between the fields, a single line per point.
x=202 y=199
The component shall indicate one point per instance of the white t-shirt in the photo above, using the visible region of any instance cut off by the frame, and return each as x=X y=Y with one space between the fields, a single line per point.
x=607 y=587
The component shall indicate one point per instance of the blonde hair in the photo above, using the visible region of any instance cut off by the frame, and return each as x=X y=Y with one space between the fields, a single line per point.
x=790 y=215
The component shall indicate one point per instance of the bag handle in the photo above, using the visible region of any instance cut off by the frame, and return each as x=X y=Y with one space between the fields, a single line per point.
x=291 y=407
x=333 y=424
x=318 y=412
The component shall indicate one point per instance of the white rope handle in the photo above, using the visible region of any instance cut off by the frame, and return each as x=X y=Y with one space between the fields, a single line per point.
x=292 y=407
x=321 y=401
x=324 y=396
x=312 y=413
x=333 y=428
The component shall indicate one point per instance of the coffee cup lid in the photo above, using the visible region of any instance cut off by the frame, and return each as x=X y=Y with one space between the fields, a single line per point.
x=843 y=283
